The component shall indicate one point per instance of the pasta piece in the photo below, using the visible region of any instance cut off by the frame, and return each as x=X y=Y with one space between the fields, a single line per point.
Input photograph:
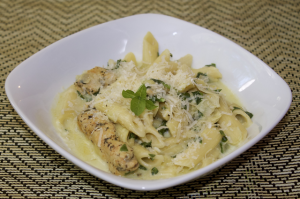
x=212 y=72
x=209 y=103
x=164 y=111
x=120 y=114
x=130 y=57
x=233 y=129
x=143 y=157
x=242 y=117
x=150 y=49
x=173 y=146
x=182 y=79
x=187 y=60
x=196 y=151
x=173 y=127
x=122 y=132
x=164 y=56
x=211 y=157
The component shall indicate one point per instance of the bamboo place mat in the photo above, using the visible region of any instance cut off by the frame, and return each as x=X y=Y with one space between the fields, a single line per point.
x=268 y=29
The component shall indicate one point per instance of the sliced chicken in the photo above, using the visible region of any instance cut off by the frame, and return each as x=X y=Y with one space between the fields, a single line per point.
x=119 y=156
x=91 y=81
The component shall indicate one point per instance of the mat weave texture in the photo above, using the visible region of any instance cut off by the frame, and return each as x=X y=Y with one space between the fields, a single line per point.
x=29 y=168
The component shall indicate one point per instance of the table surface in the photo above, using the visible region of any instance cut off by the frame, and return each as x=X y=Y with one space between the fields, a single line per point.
x=268 y=29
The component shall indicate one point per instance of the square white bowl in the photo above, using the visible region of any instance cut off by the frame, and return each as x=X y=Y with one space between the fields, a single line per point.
x=32 y=86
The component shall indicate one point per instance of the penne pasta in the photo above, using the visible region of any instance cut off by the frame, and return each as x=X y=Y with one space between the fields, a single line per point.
x=159 y=118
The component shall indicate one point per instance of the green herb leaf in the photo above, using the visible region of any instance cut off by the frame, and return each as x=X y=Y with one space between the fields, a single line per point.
x=138 y=105
x=157 y=54
x=147 y=144
x=171 y=55
x=197 y=115
x=234 y=108
x=130 y=172
x=224 y=138
x=128 y=94
x=173 y=156
x=185 y=96
x=81 y=96
x=141 y=92
x=218 y=90
x=150 y=105
x=211 y=65
x=155 y=99
x=162 y=82
x=162 y=131
x=199 y=74
x=139 y=101
x=123 y=148
x=222 y=133
x=86 y=97
x=221 y=145
x=132 y=135
x=152 y=156
x=97 y=92
x=118 y=63
x=154 y=171
x=142 y=167
x=249 y=114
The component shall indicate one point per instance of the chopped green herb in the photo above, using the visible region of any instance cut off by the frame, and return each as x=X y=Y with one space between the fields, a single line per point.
x=248 y=113
x=152 y=156
x=130 y=172
x=197 y=115
x=161 y=82
x=173 y=156
x=81 y=96
x=97 y=92
x=132 y=135
x=118 y=63
x=198 y=100
x=197 y=95
x=163 y=108
x=87 y=98
x=218 y=90
x=184 y=107
x=211 y=65
x=155 y=99
x=171 y=55
x=200 y=141
x=142 y=167
x=157 y=54
x=147 y=144
x=123 y=148
x=162 y=131
x=154 y=171
x=139 y=101
x=221 y=145
x=224 y=138
x=184 y=96
x=199 y=74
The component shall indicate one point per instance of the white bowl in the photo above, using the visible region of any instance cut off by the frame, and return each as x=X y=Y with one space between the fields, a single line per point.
x=32 y=86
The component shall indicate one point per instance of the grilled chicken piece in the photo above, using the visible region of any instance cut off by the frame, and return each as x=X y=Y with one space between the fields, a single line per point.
x=102 y=133
x=91 y=81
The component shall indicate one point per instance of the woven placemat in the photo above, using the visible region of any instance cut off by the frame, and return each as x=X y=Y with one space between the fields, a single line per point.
x=29 y=168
